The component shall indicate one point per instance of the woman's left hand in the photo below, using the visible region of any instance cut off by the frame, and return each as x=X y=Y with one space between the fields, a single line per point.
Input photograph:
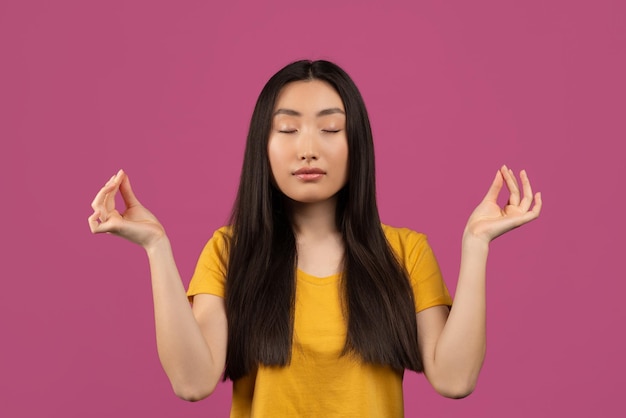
x=489 y=220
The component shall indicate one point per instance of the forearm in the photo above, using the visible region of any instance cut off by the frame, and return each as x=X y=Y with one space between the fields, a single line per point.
x=460 y=349
x=455 y=356
x=183 y=351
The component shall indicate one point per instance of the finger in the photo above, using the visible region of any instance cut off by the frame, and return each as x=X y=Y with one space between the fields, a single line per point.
x=98 y=201
x=528 y=192
x=105 y=198
x=511 y=184
x=127 y=192
x=515 y=181
x=538 y=204
x=108 y=186
x=94 y=223
x=531 y=214
x=110 y=198
x=99 y=225
x=494 y=189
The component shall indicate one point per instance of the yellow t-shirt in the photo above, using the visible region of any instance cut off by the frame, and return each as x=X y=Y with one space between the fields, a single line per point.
x=319 y=382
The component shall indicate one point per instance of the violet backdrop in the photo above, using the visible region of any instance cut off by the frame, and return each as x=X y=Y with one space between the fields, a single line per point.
x=165 y=90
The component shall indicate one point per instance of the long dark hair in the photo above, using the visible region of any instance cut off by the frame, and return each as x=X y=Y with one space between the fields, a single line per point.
x=260 y=285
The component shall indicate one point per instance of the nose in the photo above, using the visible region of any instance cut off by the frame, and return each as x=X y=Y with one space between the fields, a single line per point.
x=308 y=148
x=308 y=155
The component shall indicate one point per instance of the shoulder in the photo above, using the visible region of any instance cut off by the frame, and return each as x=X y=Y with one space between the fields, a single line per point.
x=414 y=253
x=211 y=269
x=216 y=249
x=402 y=239
x=220 y=237
x=224 y=232
x=410 y=247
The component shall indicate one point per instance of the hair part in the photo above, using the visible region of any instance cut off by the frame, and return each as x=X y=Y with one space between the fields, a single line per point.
x=261 y=280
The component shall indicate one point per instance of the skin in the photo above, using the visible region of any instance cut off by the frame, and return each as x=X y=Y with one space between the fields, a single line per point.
x=308 y=131
x=453 y=344
x=313 y=136
x=191 y=340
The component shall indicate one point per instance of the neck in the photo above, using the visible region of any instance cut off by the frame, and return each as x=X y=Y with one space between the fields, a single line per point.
x=314 y=219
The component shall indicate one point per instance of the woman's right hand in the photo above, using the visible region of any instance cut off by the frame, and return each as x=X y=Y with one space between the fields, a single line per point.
x=136 y=223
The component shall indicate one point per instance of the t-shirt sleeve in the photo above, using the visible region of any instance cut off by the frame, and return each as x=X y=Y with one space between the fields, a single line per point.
x=418 y=258
x=210 y=273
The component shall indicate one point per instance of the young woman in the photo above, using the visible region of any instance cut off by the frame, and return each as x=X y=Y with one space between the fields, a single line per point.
x=306 y=301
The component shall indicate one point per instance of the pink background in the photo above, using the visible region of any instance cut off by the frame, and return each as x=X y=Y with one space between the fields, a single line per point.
x=454 y=89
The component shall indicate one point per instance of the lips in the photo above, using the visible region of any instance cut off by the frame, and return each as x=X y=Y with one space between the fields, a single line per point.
x=309 y=170
x=309 y=173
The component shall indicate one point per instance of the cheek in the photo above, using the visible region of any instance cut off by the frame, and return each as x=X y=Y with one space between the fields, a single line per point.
x=342 y=154
x=346 y=160
x=277 y=155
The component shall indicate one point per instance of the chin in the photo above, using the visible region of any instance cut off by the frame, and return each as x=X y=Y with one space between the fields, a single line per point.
x=310 y=199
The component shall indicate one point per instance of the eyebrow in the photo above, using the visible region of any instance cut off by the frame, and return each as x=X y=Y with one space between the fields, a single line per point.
x=325 y=112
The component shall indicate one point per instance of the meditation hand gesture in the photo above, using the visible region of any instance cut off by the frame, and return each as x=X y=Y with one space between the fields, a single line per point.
x=136 y=223
x=489 y=220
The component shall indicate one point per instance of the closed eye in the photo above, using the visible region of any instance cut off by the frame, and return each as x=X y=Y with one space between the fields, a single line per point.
x=288 y=131
x=331 y=131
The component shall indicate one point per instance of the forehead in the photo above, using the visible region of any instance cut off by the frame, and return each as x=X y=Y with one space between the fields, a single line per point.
x=308 y=96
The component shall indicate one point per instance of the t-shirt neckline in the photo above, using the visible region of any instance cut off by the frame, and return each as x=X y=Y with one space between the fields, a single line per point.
x=303 y=275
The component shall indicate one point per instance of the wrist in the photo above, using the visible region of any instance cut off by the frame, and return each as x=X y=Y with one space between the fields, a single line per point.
x=158 y=245
x=474 y=241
